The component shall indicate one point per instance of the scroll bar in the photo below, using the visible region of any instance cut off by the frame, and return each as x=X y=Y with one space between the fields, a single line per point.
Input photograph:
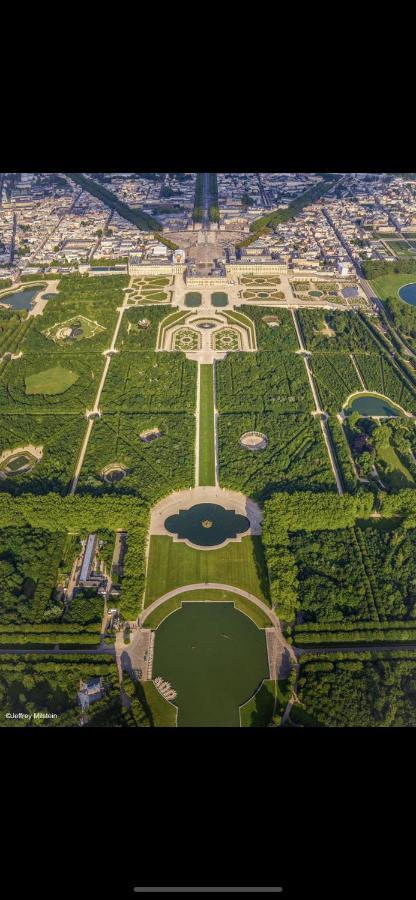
x=208 y=890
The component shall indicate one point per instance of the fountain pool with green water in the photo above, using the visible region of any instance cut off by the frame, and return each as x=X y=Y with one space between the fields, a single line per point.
x=219 y=298
x=371 y=405
x=215 y=657
x=193 y=299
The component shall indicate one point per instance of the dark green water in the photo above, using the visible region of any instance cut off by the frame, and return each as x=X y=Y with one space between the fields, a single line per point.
x=220 y=524
x=193 y=298
x=215 y=657
x=21 y=299
x=219 y=299
x=408 y=293
x=369 y=405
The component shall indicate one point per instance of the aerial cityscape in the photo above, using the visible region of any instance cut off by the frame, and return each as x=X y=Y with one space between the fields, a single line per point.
x=207 y=449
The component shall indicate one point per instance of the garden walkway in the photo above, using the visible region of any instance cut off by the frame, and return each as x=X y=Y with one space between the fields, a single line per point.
x=178 y=500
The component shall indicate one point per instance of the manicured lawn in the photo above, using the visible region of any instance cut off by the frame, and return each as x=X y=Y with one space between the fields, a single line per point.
x=51 y=381
x=398 y=475
x=389 y=285
x=245 y=606
x=174 y=565
x=257 y=713
x=163 y=713
x=271 y=698
x=206 y=427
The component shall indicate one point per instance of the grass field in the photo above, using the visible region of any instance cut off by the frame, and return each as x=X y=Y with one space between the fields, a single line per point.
x=174 y=565
x=245 y=606
x=51 y=381
x=389 y=285
x=206 y=427
x=270 y=699
x=163 y=713
x=258 y=712
x=397 y=475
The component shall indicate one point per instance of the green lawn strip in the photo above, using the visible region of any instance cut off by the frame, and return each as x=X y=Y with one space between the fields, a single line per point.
x=268 y=702
x=206 y=427
x=241 y=603
x=258 y=711
x=174 y=564
x=163 y=713
x=161 y=613
x=389 y=285
x=51 y=381
x=396 y=476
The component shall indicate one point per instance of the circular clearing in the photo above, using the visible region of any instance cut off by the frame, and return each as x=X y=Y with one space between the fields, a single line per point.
x=214 y=657
x=113 y=473
x=253 y=440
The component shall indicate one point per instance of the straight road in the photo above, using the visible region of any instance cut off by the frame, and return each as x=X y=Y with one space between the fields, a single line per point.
x=52 y=231
x=318 y=410
x=13 y=240
x=265 y=201
x=96 y=409
x=356 y=648
x=372 y=296
x=108 y=649
x=206 y=200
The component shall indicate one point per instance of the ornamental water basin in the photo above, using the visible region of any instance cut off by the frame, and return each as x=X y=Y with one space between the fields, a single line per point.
x=407 y=293
x=372 y=406
x=207 y=524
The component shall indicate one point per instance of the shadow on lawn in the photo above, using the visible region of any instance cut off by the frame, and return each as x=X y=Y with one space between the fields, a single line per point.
x=260 y=564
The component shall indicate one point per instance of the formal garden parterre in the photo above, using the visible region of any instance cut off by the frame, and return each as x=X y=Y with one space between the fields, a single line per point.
x=336 y=569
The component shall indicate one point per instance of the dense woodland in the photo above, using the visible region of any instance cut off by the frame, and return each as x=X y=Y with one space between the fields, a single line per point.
x=375 y=268
x=282 y=336
x=152 y=469
x=356 y=574
x=49 y=685
x=358 y=692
